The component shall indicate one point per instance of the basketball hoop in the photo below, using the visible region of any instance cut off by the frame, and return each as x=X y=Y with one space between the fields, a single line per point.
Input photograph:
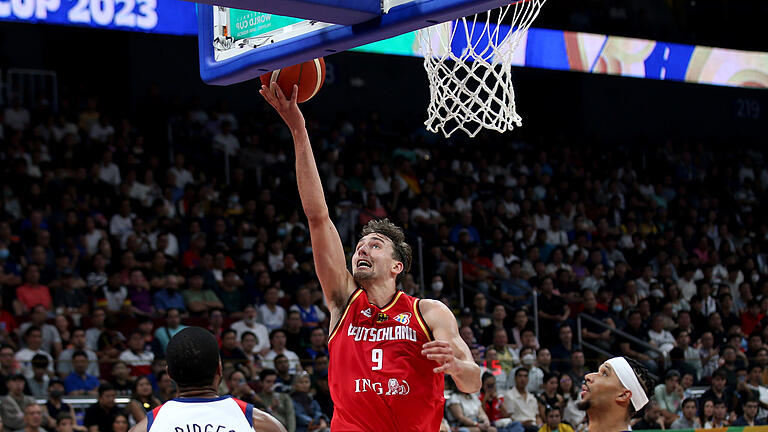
x=468 y=63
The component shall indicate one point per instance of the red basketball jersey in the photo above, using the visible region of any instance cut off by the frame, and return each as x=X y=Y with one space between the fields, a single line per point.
x=378 y=378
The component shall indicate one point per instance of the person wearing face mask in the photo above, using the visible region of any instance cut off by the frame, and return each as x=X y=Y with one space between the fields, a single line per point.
x=535 y=374
x=55 y=406
x=436 y=287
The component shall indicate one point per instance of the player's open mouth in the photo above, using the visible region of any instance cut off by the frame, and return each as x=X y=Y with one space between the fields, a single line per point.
x=584 y=390
x=364 y=264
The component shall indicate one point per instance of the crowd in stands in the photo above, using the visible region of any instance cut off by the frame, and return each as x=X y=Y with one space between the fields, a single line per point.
x=109 y=247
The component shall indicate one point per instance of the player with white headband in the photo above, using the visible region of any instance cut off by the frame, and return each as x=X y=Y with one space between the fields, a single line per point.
x=615 y=393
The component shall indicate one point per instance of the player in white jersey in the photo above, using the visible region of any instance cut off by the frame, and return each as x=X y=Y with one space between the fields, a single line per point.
x=194 y=363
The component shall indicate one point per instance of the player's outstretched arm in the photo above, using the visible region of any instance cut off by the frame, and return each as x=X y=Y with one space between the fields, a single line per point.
x=328 y=252
x=448 y=349
x=263 y=422
x=140 y=426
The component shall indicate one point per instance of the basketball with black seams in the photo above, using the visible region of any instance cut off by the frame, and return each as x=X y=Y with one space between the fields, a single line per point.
x=309 y=76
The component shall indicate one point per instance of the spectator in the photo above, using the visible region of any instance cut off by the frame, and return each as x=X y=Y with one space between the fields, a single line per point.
x=652 y=418
x=93 y=333
x=142 y=399
x=719 y=416
x=284 y=376
x=493 y=405
x=553 y=311
x=166 y=387
x=578 y=366
x=497 y=321
x=38 y=382
x=121 y=381
x=51 y=339
x=669 y=396
x=231 y=354
x=309 y=416
x=688 y=420
x=79 y=382
x=466 y=412
x=33 y=418
x=270 y=313
x=554 y=418
x=250 y=324
x=317 y=346
x=33 y=337
x=311 y=315
x=572 y=397
x=199 y=301
x=522 y=405
x=136 y=356
x=295 y=334
x=561 y=353
x=78 y=343
x=13 y=406
x=277 y=342
x=120 y=422
x=172 y=326
x=659 y=337
x=749 y=418
x=32 y=293
x=100 y=415
x=230 y=294
x=592 y=332
x=169 y=297
x=506 y=355
x=630 y=348
x=549 y=397
x=278 y=404
x=54 y=406
x=718 y=391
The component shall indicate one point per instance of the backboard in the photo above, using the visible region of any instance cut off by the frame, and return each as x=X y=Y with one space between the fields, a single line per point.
x=240 y=44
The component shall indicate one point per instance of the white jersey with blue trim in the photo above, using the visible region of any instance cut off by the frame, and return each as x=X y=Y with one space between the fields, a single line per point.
x=222 y=414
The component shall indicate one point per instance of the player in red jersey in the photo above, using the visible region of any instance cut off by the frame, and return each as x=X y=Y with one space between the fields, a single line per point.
x=388 y=350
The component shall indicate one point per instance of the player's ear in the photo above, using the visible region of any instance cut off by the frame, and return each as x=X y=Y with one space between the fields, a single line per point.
x=624 y=398
x=397 y=267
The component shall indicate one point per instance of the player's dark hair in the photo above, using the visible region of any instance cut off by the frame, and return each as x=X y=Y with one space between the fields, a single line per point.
x=193 y=357
x=401 y=251
x=646 y=382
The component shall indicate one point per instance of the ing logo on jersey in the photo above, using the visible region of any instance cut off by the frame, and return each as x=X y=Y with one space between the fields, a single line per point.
x=404 y=318
x=381 y=317
x=366 y=312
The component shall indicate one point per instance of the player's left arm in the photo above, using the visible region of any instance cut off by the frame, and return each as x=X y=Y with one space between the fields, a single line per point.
x=264 y=422
x=449 y=349
x=140 y=426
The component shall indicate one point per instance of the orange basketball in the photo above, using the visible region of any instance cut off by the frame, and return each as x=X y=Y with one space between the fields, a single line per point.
x=309 y=76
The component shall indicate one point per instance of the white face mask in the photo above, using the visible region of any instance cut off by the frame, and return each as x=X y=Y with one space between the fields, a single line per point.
x=437 y=286
x=528 y=359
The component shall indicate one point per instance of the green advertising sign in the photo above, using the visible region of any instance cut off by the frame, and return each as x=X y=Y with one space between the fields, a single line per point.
x=244 y=23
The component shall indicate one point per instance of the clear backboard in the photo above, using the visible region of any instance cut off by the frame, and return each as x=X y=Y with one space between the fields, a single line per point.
x=238 y=44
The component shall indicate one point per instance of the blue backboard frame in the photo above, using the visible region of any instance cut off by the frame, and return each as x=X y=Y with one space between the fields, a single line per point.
x=325 y=41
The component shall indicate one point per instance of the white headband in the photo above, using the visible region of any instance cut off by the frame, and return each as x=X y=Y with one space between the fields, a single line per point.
x=629 y=380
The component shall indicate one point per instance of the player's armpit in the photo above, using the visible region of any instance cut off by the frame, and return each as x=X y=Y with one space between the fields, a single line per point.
x=140 y=426
x=264 y=422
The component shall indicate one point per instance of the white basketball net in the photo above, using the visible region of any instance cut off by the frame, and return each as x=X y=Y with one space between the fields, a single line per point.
x=473 y=90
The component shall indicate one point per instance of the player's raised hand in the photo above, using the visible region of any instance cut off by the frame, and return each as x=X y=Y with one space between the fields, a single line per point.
x=441 y=352
x=287 y=108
